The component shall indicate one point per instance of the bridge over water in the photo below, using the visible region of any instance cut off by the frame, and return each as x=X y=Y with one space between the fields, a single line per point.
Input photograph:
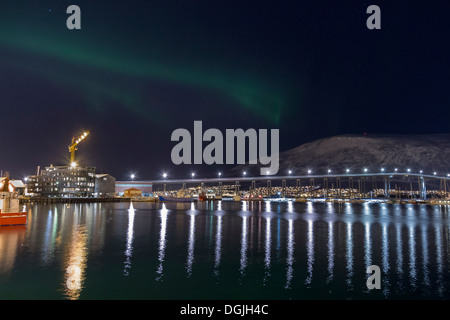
x=364 y=182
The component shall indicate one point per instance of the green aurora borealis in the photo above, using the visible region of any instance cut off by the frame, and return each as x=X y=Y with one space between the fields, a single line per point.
x=89 y=63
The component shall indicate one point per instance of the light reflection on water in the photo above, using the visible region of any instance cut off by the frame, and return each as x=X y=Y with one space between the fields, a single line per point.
x=231 y=249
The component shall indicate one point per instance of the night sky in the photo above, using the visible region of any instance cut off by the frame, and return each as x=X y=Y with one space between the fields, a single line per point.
x=138 y=70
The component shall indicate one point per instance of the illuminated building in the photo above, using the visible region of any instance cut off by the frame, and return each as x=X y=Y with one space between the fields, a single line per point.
x=62 y=181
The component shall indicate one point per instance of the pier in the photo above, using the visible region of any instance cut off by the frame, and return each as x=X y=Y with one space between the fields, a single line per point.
x=53 y=200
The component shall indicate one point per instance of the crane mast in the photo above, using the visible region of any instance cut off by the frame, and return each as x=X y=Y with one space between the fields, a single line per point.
x=74 y=145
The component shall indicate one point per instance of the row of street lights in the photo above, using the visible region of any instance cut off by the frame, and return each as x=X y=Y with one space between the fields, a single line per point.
x=309 y=171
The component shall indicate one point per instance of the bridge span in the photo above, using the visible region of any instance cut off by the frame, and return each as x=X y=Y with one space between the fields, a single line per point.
x=416 y=181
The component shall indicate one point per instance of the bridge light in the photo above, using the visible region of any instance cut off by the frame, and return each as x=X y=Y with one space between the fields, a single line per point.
x=220 y=173
x=348 y=170
x=435 y=173
x=395 y=169
x=382 y=169
x=289 y=172
x=409 y=170
x=132 y=176
x=365 y=169
x=309 y=171
x=329 y=171
x=245 y=172
x=164 y=175
x=420 y=171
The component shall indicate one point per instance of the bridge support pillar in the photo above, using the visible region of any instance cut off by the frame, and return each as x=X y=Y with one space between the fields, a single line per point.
x=422 y=188
x=350 y=186
x=387 y=187
x=338 y=186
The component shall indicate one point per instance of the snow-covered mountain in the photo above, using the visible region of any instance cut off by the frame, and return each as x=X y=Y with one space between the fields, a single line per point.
x=430 y=153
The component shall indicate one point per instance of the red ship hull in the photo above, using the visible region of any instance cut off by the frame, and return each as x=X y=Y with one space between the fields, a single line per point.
x=13 y=218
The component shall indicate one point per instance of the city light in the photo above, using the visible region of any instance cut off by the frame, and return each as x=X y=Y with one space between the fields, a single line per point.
x=365 y=169
x=435 y=173
x=382 y=169
x=395 y=169
x=409 y=170
x=73 y=164
x=329 y=171
x=309 y=171
x=289 y=172
x=347 y=170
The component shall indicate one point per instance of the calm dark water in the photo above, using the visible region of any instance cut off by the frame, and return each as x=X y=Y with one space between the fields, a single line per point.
x=226 y=250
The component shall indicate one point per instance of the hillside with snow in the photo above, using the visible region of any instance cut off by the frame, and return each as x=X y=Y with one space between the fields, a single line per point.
x=430 y=153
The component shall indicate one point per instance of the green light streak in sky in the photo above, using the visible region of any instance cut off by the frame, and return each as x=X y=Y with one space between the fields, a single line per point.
x=249 y=92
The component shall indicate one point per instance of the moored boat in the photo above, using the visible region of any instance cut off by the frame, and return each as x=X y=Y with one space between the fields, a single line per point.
x=202 y=196
x=10 y=212
x=179 y=199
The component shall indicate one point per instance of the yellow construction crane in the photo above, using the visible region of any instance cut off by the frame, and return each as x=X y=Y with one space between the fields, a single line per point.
x=73 y=146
